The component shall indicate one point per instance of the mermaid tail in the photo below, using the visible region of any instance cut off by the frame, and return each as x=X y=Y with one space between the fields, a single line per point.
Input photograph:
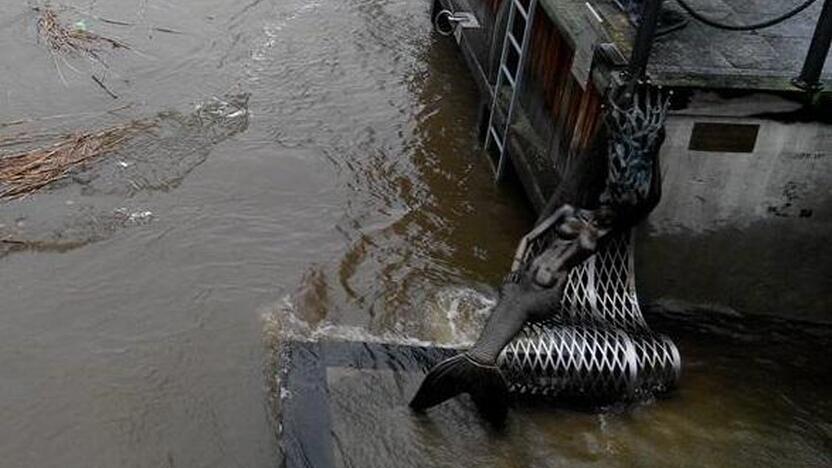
x=463 y=374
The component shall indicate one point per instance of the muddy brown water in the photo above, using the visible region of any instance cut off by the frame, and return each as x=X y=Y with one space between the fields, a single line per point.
x=139 y=323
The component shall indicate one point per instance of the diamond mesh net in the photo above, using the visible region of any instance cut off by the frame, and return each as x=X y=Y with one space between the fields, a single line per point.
x=599 y=344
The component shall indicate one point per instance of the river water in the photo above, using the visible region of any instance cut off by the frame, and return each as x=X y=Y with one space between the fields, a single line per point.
x=314 y=173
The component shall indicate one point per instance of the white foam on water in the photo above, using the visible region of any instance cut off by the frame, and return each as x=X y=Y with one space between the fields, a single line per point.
x=454 y=317
x=128 y=217
x=282 y=324
x=271 y=31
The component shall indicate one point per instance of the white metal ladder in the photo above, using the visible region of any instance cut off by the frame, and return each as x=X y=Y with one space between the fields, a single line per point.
x=513 y=55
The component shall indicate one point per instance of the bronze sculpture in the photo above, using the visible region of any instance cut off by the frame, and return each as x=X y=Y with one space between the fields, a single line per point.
x=533 y=293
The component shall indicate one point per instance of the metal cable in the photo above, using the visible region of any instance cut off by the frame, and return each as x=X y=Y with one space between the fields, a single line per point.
x=672 y=28
x=747 y=27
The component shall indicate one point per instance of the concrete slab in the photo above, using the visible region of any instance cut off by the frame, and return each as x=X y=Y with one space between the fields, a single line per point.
x=700 y=55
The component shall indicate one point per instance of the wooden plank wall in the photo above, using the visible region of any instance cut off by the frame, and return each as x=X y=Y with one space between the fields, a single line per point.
x=575 y=112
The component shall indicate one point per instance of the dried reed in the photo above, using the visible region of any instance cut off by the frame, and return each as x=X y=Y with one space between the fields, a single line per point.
x=67 y=39
x=26 y=172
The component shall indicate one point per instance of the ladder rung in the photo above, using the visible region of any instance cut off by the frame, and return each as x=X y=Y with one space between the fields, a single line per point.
x=520 y=8
x=508 y=75
x=514 y=79
x=496 y=138
x=514 y=42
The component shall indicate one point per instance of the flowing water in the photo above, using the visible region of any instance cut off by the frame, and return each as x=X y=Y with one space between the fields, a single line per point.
x=313 y=173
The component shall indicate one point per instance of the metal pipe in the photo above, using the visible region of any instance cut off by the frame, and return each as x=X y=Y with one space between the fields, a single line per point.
x=644 y=38
x=809 y=78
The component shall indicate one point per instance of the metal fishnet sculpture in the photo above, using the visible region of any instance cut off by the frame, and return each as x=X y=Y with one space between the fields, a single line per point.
x=568 y=322
x=598 y=344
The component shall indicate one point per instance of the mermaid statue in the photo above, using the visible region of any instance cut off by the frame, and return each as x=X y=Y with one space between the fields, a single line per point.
x=531 y=342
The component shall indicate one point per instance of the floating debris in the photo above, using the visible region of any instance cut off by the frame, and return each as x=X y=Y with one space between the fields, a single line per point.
x=86 y=225
x=75 y=38
x=29 y=171
x=60 y=191
x=101 y=84
x=134 y=217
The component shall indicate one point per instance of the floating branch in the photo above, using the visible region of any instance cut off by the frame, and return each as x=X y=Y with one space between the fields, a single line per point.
x=104 y=87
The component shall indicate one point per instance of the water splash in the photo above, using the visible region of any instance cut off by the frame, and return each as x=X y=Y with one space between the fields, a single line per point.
x=455 y=316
